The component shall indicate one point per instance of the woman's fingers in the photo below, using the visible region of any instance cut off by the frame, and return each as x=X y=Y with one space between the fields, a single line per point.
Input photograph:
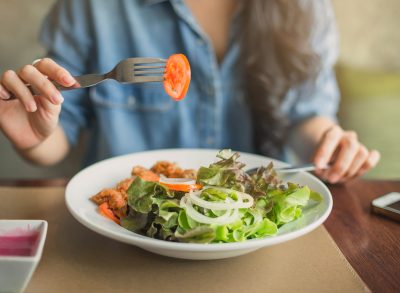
x=373 y=159
x=55 y=72
x=4 y=94
x=41 y=84
x=36 y=76
x=358 y=162
x=363 y=162
x=327 y=147
x=349 y=147
x=346 y=155
x=15 y=85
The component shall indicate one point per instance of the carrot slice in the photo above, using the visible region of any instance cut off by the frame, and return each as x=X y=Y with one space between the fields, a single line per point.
x=177 y=76
x=106 y=212
x=182 y=187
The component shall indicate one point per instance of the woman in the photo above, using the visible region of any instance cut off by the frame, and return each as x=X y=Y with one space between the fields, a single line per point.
x=262 y=81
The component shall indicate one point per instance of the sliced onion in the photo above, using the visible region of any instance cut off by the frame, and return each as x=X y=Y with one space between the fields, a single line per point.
x=215 y=206
x=185 y=181
x=228 y=217
x=230 y=206
x=250 y=199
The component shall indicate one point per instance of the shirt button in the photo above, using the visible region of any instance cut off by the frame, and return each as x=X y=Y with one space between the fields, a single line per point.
x=131 y=101
x=210 y=141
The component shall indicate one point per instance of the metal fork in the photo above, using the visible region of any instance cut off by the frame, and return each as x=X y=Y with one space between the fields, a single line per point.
x=130 y=70
x=291 y=169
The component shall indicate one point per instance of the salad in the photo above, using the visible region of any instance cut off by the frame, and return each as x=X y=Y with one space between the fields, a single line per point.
x=215 y=204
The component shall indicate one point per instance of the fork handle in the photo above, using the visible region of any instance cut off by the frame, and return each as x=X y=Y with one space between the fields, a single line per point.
x=82 y=81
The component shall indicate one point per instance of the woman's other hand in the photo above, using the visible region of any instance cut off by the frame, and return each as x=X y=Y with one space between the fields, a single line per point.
x=346 y=156
x=29 y=120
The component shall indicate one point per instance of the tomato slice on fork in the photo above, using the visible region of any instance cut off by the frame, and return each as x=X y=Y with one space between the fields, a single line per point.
x=177 y=76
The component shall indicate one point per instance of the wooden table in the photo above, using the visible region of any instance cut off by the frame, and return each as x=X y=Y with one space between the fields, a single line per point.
x=370 y=243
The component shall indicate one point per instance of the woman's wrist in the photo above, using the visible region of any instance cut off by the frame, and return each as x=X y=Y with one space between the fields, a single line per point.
x=305 y=137
x=49 y=151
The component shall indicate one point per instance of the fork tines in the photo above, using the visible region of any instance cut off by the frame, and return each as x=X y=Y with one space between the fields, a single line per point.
x=149 y=73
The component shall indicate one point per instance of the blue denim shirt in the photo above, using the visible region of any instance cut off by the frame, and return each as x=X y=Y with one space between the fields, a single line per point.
x=92 y=36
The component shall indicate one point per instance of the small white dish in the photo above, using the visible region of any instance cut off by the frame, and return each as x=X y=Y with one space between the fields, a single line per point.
x=109 y=172
x=21 y=246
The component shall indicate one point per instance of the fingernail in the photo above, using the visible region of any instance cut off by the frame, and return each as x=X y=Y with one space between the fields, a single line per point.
x=4 y=94
x=334 y=178
x=68 y=79
x=320 y=164
x=31 y=106
x=57 y=98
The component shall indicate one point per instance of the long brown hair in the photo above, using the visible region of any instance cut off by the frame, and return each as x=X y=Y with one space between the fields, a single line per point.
x=277 y=55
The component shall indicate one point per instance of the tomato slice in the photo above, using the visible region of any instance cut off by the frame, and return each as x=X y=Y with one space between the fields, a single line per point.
x=177 y=76
x=182 y=187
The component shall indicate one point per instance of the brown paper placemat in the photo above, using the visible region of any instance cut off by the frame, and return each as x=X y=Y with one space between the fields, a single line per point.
x=75 y=259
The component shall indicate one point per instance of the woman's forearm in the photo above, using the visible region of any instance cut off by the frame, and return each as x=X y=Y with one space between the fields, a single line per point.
x=51 y=151
x=305 y=137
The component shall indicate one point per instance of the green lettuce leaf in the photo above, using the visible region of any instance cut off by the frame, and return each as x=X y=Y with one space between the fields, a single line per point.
x=165 y=218
x=315 y=196
x=266 y=228
x=152 y=231
x=185 y=222
x=135 y=221
x=141 y=194
x=288 y=203
x=222 y=233
x=200 y=234
x=298 y=197
x=227 y=172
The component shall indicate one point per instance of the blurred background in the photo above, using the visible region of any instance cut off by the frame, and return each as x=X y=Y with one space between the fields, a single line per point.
x=368 y=72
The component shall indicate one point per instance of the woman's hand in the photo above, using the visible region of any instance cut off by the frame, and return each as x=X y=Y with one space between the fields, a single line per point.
x=29 y=120
x=347 y=157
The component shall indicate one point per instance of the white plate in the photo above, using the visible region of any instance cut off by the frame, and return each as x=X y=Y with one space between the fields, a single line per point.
x=109 y=172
